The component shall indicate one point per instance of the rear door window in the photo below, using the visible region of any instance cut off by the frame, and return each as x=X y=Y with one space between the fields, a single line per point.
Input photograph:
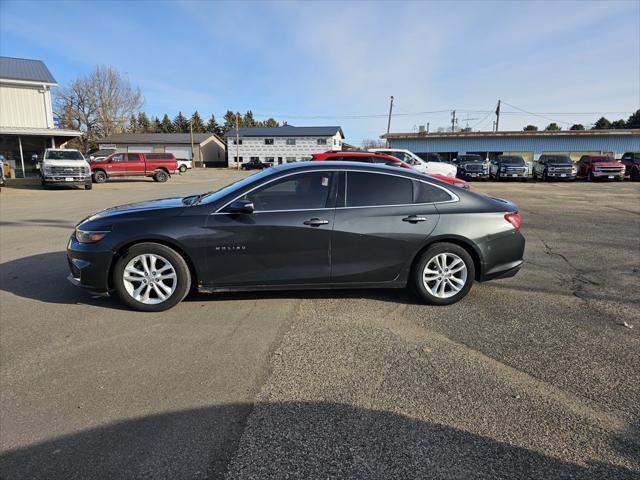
x=427 y=193
x=365 y=189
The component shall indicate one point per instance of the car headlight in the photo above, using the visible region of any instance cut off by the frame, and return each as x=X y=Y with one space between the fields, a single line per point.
x=503 y=169
x=90 y=236
x=574 y=169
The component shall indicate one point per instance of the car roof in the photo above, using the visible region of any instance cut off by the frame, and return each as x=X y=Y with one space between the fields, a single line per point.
x=343 y=165
x=347 y=153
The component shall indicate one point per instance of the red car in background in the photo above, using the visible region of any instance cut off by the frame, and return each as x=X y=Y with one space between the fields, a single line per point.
x=159 y=166
x=369 y=157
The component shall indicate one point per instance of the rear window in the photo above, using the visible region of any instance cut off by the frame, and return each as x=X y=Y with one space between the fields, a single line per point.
x=374 y=189
x=427 y=193
x=160 y=156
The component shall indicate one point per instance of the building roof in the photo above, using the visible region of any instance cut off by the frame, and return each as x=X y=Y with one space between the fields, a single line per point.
x=25 y=69
x=286 y=131
x=45 y=132
x=518 y=133
x=156 y=138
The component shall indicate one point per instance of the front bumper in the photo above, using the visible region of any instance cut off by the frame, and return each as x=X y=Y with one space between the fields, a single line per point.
x=609 y=175
x=567 y=176
x=470 y=175
x=61 y=181
x=89 y=266
x=506 y=175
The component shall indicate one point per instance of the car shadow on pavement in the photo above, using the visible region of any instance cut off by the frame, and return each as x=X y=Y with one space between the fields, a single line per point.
x=311 y=440
x=43 y=277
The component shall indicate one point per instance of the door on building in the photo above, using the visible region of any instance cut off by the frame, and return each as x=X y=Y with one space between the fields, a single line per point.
x=181 y=153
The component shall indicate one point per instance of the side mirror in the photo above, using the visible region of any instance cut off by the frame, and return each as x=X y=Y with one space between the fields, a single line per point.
x=34 y=157
x=240 y=206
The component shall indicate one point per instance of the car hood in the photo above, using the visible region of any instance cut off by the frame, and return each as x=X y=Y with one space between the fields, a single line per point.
x=148 y=206
x=64 y=163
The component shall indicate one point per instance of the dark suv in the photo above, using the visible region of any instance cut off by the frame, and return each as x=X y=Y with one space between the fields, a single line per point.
x=554 y=167
x=509 y=166
x=631 y=162
x=472 y=166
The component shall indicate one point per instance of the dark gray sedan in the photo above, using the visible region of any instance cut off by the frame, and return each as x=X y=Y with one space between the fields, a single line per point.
x=301 y=226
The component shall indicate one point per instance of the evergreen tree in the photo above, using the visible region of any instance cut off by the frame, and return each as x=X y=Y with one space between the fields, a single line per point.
x=133 y=125
x=197 y=123
x=180 y=124
x=166 y=126
x=155 y=125
x=577 y=126
x=229 y=121
x=619 y=124
x=143 y=123
x=602 y=124
x=270 y=123
x=213 y=127
x=530 y=128
x=552 y=127
x=248 y=120
x=634 y=120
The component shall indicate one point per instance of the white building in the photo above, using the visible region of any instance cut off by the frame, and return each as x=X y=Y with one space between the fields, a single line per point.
x=26 y=115
x=283 y=144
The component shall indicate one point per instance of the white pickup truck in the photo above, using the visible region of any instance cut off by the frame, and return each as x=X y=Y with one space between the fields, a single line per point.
x=418 y=163
x=64 y=167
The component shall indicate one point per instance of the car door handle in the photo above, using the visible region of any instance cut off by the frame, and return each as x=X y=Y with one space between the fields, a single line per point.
x=316 y=222
x=414 y=219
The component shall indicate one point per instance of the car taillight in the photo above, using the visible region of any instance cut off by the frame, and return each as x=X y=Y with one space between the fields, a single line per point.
x=513 y=219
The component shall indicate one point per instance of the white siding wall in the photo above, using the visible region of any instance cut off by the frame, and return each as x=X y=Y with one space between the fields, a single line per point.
x=25 y=106
x=302 y=150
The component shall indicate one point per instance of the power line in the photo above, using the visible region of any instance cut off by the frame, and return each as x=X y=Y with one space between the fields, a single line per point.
x=537 y=114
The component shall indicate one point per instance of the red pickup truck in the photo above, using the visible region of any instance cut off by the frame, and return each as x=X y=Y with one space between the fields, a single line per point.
x=595 y=167
x=158 y=166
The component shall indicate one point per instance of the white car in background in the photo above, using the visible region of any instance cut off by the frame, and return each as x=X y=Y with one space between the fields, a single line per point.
x=418 y=163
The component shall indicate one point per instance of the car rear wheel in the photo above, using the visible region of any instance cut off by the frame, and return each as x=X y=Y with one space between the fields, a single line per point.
x=444 y=274
x=590 y=177
x=161 y=176
x=151 y=277
x=99 y=176
x=183 y=168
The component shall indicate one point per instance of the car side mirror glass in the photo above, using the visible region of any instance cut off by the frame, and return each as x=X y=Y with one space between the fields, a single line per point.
x=240 y=206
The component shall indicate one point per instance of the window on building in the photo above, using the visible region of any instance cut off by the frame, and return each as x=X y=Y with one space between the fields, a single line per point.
x=254 y=159
x=375 y=189
x=291 y=159
x=322 y=141
x=291 y=141
x=303 y=191
x=269 y=159
x=237 y=142
x=268 y=141
x=235 y=159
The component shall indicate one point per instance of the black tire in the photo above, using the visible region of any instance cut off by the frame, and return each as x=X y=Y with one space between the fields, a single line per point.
x=635 y=175
x=88 y=186
x=534 y=175
x=545 y=177
x=498 y=176
x=161 y=176
x=183 y=168
x=99 y=176
x=416 y=281
x=183 y=277
x=590 y=177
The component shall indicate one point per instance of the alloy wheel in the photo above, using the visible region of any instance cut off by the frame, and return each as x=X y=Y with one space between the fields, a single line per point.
x=150 y=279
x=445 y=275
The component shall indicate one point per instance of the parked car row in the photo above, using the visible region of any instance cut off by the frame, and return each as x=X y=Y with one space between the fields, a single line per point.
x=68 y=167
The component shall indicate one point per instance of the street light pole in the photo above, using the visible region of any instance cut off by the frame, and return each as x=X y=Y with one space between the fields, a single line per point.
x=237 y=143
x=389 y=121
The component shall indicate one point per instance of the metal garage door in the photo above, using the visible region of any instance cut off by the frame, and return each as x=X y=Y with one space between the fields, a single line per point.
x=181 y=153
x=140 y=149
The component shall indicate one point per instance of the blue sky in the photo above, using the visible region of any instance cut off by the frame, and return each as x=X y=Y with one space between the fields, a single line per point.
x=333 y=60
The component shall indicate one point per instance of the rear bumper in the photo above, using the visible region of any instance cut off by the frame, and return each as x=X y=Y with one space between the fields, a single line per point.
x=89 y=267
x=505 y=272
x=502 y=256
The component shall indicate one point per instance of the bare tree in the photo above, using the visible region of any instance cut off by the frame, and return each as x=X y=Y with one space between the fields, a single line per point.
x=98 y=104
x=368 y=143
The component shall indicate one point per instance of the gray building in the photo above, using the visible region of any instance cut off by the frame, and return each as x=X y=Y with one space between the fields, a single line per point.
x=530 y=144
x=206 y=150
x=282 y=144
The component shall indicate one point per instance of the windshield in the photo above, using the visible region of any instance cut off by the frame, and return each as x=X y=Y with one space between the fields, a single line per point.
x=509 y=159
x=558 y=159
x=63 y=155
x=469 y=158
x=215 y=195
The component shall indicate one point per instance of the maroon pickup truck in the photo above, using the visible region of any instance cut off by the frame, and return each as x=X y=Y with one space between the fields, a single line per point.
x=158 y=166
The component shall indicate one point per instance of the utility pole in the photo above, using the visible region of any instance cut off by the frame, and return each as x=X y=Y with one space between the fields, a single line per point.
x=498 y=116
x=237 y=142
x=453 y=120
x=389 y=121
x=427 y=127
x=191 y=134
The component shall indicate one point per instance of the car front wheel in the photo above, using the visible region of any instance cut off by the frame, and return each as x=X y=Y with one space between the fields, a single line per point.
x=183 y=168
x=444 y=274
x=151 y=277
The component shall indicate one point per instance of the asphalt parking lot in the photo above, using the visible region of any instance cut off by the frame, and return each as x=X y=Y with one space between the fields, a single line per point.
x=536 y=376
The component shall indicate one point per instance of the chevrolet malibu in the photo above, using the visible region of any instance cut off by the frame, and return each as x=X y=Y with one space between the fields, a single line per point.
x=307 y=225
